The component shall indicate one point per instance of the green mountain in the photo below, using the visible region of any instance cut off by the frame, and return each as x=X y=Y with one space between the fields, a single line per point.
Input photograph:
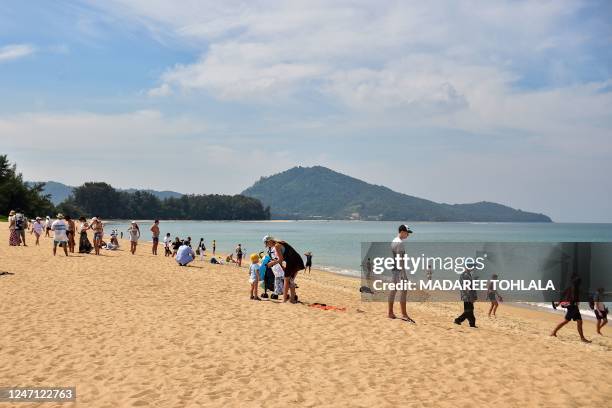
x=59 y=191
x=320 y=193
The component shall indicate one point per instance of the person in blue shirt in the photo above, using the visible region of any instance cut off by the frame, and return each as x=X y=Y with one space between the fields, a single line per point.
x=185 y=254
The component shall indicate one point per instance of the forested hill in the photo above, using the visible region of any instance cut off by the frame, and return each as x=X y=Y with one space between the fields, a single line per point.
x=320 y=193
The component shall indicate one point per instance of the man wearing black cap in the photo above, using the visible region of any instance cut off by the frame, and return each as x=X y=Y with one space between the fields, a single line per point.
x=397 y=247
x=468 y=296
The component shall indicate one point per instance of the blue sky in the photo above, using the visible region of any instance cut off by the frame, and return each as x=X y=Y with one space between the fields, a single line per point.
x=451 y=101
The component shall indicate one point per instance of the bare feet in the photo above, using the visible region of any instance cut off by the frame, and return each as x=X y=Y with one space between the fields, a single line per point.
x=553 y=334
x=584 y=340
x=392 y=316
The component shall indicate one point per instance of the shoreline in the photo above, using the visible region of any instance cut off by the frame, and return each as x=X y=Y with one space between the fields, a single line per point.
x=138 y=330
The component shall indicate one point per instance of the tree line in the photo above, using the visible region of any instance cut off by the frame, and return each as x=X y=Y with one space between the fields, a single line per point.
x=102 y=200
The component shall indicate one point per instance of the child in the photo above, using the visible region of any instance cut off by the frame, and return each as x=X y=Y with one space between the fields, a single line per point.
x=254 y=276
x=601 y=311
x=167 y=241
x=176 y=245
x=493 y=296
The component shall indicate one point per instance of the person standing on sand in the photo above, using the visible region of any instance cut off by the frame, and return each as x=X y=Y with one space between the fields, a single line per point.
x=601 y=311
x=84 y=244
x=37 y=229
x=281 y=252
x=70 y=231
x=308 y=265
x=572 y=296
x=134 y=232
x=214 y=246
x=429 y=272
x=493 y=296
x=468 y=296
x=239 y=255
x=398 y=249
x=21 y=224
x=98 y=229
x=60 y=237
x=48 y=226
x=155 y=232
x=201 y=249
x=167 y=243
x=13 y=234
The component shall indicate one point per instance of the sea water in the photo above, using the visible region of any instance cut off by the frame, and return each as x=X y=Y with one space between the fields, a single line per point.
x=336 y=245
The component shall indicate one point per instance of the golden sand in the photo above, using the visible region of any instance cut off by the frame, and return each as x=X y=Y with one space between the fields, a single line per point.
x=138 y=330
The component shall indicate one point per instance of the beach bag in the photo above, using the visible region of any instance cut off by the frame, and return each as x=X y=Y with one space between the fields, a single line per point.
x=278 y=271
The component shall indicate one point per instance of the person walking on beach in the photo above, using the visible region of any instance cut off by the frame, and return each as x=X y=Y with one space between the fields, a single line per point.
x=85 y=246
x=214 y=247
x=21 y=224
x=37 y=229
x=429 y=272
x=308 y=265
x=239 y=255
x=572 y=297
x=60 y=237
x=48 y=226
x=134 y=232
x=98 y=234
x=281 y=252
x=201 y=248
x=468 y=296
x=167 y=243
x=185 y=254
x=493 y=296
x=14 y=239
x=155 y=232
x=70 y=230
x=601 y=311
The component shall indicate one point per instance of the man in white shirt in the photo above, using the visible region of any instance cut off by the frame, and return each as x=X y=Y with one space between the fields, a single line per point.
x=60 y=237
x=397 y=247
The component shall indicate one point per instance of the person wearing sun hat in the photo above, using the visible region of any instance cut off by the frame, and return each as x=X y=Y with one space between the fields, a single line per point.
x=14 y=239
x=398 y=249
x=37 y=229
x=60 y=237
x=281 y=252
x=134 y=231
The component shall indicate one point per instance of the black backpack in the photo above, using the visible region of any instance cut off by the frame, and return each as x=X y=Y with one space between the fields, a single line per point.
x=19 y=222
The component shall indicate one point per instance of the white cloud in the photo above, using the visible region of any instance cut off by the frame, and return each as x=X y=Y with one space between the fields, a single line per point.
x=15 y=51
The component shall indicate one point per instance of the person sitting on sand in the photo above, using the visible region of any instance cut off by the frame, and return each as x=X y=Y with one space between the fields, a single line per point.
x=230 y=259
x=572 y=296
x=601 y=311
x=167 y=243
x=468 y=297
x=185 y=254
x=254 y=276
x=493 y=296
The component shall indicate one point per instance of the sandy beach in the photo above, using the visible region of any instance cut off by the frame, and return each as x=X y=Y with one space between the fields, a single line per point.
x=138 y=330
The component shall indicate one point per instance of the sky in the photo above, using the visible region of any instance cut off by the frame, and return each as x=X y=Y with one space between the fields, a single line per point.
x=504 y=101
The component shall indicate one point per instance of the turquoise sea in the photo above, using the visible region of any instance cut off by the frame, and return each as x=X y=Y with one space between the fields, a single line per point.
x=336 y=245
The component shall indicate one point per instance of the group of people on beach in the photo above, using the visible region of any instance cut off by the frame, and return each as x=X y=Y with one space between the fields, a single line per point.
x=276 y=267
